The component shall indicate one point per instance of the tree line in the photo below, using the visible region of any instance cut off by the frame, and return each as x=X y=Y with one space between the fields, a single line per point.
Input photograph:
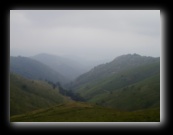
x=65 y=92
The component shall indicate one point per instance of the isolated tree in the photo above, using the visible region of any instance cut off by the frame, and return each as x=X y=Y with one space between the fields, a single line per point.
x=53 y=86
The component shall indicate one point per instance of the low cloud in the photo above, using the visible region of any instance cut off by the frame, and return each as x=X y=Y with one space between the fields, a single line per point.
x=101 y=34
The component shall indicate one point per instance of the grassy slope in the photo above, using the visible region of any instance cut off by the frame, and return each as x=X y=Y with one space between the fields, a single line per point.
x=114 y=68
x=47 y=110
x=144 y=94
x=84 y=112
x=28 y=95
x=121 y=92
x=129 y=90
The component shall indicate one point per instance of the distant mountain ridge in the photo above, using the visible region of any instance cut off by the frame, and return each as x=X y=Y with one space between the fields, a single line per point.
x=67 y=67
x=33 y=69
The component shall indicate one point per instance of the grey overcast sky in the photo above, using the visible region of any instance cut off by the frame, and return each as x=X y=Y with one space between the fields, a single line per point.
x=90 y=34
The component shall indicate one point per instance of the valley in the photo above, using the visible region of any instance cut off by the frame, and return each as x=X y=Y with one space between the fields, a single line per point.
x=126 y=89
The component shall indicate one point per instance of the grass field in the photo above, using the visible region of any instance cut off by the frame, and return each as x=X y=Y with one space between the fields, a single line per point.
x=84 y=112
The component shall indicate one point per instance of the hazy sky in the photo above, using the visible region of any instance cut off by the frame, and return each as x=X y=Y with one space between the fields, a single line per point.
x=91 y=34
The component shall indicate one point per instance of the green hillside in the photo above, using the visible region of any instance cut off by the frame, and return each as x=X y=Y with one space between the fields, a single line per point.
x=28 y=95
x=119 y=80
x=140 y=95
x=114 y=68
x=128 y=89
x=84 y=112
x=124 y=90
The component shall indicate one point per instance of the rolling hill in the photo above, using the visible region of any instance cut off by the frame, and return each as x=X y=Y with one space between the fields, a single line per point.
x=119 y=64
x=28 y=95
x=126 y=89
x=108 y=84
x=141 y=95
x=33 y=69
